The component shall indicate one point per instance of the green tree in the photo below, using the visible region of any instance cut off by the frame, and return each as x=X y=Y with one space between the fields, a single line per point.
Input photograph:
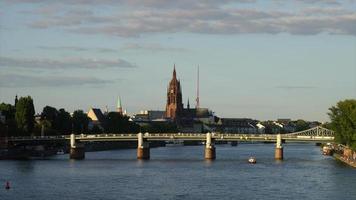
x=64 y=122
x=49 y=114
x=301 y=125
x=118 y=123
x=56 y=122
x=80 y=122
x=24 y=115
x=343 y=122
x=9 y=126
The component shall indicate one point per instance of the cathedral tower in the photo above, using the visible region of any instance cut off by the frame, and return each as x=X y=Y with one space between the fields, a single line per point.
x=174 y=107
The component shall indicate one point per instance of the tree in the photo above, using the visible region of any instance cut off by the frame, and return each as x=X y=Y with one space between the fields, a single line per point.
x=80 y=122
x=343 y=122
x=50 y=115
x=118 y=123
x=24 y=115
x=56 y=121
x=160 y=127
x=63 y=122
x=9 y=126
x=301 y=125
x=48 y=121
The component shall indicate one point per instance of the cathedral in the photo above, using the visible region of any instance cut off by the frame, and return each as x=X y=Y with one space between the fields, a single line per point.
x=175 y=109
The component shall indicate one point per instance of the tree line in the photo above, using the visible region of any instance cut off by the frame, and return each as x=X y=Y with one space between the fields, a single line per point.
x=20 y=120
x=343 y=122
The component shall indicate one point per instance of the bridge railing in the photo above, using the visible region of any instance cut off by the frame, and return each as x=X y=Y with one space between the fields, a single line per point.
x=310 y=134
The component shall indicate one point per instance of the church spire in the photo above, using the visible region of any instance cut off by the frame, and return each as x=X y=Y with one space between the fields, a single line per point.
x=188 y=104
x=174 y=106
x=16 y=100
x=197 y=99
x=174 y=72
x=119 y=106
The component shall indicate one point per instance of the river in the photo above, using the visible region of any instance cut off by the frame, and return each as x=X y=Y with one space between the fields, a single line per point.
x=182 y=173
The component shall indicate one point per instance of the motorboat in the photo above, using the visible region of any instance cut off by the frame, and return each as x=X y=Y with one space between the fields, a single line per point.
x=252 y=160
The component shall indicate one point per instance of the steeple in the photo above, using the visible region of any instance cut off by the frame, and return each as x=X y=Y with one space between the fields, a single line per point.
x=16 y=100
x=188 y=105
x=197 y=99
x=119 y=106
x=174 y=72
x=174 y=106
x=106 y=110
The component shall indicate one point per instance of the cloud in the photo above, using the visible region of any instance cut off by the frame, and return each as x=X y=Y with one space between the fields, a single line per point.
x=150 y=47
x=74 y=48
x=133 y=23
x=163 y=4
x=296 y=87
x=66 y=63
x=331 y=2
x=16 y=80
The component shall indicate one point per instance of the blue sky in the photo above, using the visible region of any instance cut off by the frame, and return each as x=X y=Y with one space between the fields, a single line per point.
x=258 y=59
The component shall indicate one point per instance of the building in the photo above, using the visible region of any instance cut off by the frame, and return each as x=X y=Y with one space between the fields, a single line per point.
x=97 y=118
x=187 y=119
x=119 y=106
x=237 y=125
x=149 y=115
x=174 y=107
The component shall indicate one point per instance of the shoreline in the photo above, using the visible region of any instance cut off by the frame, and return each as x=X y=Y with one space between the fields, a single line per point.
x=342 y=159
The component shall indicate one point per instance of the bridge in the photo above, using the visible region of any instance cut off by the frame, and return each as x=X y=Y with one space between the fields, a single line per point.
x=317 y=134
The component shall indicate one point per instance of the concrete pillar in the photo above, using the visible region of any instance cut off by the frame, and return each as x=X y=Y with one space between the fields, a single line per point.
x=143 y=149
x=72 y=140
x=209 y=148
x=77 y=150
x=278 y=153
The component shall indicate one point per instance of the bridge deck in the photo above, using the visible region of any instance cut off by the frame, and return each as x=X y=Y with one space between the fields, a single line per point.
x=317 y=134
x=177 y=136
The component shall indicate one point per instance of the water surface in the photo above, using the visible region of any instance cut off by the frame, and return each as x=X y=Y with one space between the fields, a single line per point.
x=182 y=173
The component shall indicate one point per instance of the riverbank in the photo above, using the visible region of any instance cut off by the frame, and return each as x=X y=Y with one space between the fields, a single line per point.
x=341 y=158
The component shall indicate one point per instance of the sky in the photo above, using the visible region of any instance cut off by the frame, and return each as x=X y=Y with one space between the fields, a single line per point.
x=258 y=59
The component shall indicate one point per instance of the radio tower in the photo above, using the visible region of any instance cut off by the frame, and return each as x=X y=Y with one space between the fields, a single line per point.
x=198 y=103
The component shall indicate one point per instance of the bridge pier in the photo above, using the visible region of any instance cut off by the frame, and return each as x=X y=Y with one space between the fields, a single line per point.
x=278 y=153
x=77 y=150
x=210 y=153
x=143 y=149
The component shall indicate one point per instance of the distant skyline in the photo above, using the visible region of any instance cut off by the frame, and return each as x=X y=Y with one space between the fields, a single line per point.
x=258 y=59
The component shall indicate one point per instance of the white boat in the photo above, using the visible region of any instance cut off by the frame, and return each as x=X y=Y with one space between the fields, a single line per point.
x=252 y=160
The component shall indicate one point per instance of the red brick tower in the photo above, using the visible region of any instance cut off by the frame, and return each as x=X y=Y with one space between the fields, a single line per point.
x=174 y=107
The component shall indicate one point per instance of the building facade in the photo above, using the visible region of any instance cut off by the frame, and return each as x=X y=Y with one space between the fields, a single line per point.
x=174 y=107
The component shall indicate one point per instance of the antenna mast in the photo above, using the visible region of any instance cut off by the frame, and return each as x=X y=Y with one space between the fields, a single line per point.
x=198 y=103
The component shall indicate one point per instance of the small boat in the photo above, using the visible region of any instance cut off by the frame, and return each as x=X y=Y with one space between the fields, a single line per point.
x=252 y=160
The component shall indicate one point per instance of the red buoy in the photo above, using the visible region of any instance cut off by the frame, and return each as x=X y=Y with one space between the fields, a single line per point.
x=7 y=186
